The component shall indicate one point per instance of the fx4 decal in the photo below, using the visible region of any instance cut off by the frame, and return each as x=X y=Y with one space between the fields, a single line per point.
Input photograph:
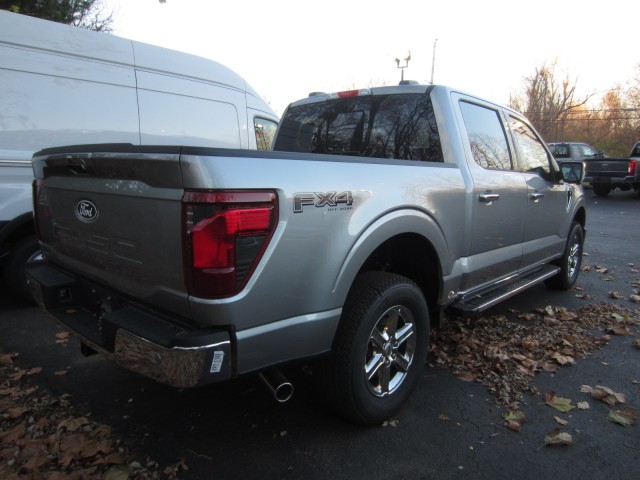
x=329 y=199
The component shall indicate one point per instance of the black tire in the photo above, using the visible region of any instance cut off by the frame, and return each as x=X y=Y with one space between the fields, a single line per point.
x=601 y=189
x=383 y=333
x=571 y=260
x=24 y=250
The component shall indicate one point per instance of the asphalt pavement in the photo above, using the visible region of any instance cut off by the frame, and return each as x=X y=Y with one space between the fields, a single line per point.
x=449 y=429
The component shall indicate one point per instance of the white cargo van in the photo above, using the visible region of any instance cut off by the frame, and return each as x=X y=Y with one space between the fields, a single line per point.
x=63 y=85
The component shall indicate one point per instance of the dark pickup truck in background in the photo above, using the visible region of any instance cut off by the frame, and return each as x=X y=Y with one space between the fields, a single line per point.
x=601 y=172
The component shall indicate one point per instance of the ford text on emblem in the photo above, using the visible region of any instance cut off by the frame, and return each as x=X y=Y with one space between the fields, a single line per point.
x=86 y=211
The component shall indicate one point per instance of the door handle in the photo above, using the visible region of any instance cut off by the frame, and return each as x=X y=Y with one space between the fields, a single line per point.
x=489 y=197
x=536 y=197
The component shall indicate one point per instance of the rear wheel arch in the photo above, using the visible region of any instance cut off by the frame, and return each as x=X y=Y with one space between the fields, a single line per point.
x=411 y=256
x=408 y=243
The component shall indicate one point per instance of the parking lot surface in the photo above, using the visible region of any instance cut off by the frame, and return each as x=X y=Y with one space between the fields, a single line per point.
x=450 y=428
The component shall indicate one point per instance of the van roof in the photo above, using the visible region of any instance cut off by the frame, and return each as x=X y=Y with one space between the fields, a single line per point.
x=22 y=31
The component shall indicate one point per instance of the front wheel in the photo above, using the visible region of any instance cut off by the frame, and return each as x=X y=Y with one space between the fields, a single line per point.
x=379 y=349
x=571 y=260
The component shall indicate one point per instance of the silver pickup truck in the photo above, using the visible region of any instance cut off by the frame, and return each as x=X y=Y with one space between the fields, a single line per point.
x=378 y=209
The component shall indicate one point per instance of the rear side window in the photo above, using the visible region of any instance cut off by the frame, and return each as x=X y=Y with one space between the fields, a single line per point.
x=382 y=126
x=561 y=151
x=487 y=137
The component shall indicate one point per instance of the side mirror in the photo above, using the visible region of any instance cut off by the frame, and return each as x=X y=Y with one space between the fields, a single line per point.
x=572 y=172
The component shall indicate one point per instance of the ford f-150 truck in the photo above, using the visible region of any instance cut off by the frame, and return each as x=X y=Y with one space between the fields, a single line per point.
x=378 y=209
x=606 y=174
x=602 y=172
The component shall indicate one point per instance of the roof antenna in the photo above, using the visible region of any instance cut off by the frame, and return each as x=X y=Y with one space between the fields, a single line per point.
x=406 y=64
x=433 y=60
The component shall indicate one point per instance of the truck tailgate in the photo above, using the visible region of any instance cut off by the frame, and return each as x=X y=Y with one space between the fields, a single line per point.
x=115 y=220
x=607 y=167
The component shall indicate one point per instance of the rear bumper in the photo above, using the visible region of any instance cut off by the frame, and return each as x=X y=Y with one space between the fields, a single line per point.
x=613 y=181
x=146 y=342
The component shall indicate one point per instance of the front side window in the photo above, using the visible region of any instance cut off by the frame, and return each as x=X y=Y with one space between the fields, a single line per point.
x=532 y=154
x=265 y=132
x=587 y=151
x=487 y=138
x=381 y=126
x=575 y=152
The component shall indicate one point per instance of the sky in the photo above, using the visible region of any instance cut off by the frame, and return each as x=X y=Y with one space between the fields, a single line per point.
x=286 y=49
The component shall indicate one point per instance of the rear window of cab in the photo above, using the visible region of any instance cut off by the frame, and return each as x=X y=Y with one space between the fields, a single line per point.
x=379 y=126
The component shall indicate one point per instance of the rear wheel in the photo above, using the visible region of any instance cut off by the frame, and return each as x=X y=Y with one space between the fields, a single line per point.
x=601 y=189
x=379 y=349
x=571 y=260
x=24 y=251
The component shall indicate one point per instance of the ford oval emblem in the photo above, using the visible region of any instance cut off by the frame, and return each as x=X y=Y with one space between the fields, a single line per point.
x=86 y=211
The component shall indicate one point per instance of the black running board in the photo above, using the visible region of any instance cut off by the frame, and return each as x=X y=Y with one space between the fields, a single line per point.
x=474 y=303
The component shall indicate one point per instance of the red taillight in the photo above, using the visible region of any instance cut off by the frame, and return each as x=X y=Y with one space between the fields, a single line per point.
x=633 y=166
x=226 y=234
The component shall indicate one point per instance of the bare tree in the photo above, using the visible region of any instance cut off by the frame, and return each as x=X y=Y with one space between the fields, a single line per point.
x=632 y=103
x=548 y=102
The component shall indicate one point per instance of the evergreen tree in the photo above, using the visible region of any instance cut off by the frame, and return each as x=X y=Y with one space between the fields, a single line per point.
x=88 y=14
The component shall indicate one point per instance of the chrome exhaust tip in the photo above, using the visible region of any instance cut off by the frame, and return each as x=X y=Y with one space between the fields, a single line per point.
x=277 y=383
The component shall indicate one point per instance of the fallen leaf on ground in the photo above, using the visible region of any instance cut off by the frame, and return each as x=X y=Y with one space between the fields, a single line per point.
x=619 y=330
x=514 y=419
x=561 y=421
x=626 y=417
x=584 y=296
x=635 y=298
x=563 y=359
x=62 y=338
x=557 y=437
x=466 y=376
x=559 y=403
x=583 y=405
x=118 y=472
x=6 y=359
x=17 y=412
x=72 y=424
x=604 y=394
x=615 y=295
